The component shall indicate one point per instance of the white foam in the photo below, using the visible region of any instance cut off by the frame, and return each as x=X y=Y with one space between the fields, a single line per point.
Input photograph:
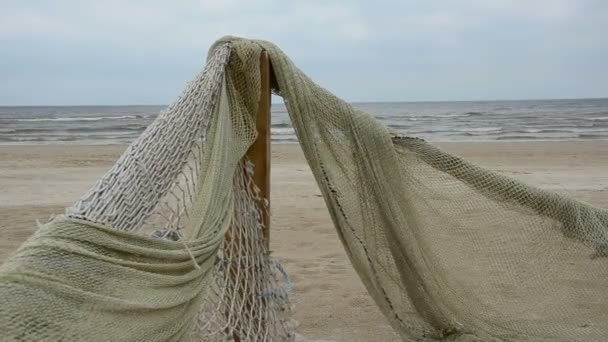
x=97 y=118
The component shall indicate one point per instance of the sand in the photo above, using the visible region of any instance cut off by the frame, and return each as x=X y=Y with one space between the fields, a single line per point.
x=329 y=301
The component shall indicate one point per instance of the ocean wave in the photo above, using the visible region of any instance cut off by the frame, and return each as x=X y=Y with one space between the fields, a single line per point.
x=67 y=138
x=434 y=117
x=451 y=115
x=35 y=138
x=76 y=118
x=398 y=126
x=520 y=137
x=593 y=136
x=63 y=131
x=484 y=129
x=285 y=141
x=433 y=130
x=479 y=121
x=533 y=130
x=282 y=131
x=555 y=130
x=593 y=113
x=468 y=131
x=554 y=137
x=544 y=131
x=281 y=125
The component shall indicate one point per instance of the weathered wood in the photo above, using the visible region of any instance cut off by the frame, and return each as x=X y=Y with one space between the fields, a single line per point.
x=259 y=152
x=259 y=155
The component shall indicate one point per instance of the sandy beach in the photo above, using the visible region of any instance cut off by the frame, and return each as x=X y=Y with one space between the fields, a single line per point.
x=329 y=301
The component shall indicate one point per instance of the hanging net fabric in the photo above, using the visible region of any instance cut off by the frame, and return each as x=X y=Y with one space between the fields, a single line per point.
x=167 y=246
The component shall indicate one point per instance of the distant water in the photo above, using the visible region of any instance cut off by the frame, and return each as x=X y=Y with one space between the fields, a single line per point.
x=434 y=121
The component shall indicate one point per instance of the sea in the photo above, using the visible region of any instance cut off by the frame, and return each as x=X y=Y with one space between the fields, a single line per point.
x=529 y=120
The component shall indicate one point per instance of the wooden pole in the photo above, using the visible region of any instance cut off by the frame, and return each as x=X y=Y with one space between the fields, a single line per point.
x=259 y=155
x=259 y=152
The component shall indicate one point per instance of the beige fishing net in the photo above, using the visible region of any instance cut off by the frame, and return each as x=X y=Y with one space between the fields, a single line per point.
x=168 y=245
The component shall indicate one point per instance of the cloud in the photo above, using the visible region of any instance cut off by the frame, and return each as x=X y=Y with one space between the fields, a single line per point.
x=214 y=6
x=544 y=10
x=17 y=23
x=358 y=48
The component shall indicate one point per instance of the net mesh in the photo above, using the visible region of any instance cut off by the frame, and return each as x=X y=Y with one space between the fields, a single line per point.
x=172 y=234
x=448 y=250
x=173 y=185
x=156 y=186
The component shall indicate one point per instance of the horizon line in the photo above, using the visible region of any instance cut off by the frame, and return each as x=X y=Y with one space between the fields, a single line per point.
x=352 y=102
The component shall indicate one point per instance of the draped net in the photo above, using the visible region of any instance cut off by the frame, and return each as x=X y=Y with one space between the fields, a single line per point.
x=448 y=250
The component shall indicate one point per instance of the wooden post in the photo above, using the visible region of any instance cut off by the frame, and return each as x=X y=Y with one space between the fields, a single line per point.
x=259 y=152
x=259 y=155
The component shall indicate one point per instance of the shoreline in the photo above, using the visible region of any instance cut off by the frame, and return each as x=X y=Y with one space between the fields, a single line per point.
x=431 y=141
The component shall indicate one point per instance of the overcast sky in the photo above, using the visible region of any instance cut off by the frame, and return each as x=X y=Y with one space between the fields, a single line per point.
x=55 y=52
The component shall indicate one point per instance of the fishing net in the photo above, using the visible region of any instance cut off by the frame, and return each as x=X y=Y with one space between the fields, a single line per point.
x=168 y=245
